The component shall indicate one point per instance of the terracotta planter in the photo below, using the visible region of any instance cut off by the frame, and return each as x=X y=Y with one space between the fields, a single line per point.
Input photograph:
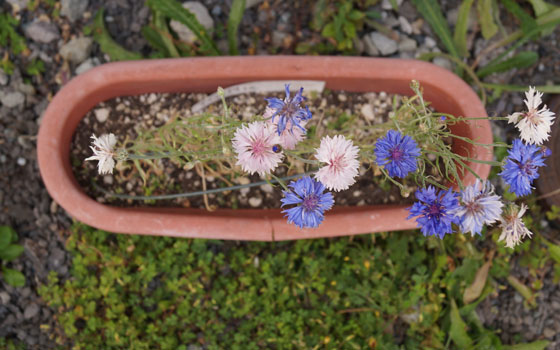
x=447 y=92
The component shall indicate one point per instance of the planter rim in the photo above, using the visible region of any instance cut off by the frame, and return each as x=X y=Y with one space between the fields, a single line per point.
x=446 y=91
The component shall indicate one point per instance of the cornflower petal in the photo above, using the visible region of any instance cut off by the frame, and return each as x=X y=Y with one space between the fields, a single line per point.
x=435 y=211
x=340 y=156
x=103 y=152
x=254 y=145
x=398 y=154
x=309 y=200
x=521 y=167
x=479 y=206
x=289 y=112
x=513 y=228
x=534 y=125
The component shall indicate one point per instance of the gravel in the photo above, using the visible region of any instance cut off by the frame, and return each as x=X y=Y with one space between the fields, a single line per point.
x=279 y=27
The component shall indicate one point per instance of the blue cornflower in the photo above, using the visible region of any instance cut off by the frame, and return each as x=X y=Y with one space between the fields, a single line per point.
x=521 y=167
x=288 y=111
x=435 y=211
x=311 y=203
x=397 y=153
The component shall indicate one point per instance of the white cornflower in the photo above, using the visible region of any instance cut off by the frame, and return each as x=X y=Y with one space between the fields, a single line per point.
x=534 y=125
x=291 y=135
x=256 y=148
x=479 y=206
x=513 y=228
x=342 y=164
x=103 y=152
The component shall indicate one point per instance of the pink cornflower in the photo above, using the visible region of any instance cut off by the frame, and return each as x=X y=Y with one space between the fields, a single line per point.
x=291 y=135
x=534 y=125
x=342 y=164
x=255 y=148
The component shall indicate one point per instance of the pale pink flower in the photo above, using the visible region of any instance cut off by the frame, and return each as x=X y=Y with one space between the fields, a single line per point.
x=513 y=228
x=534 y=125
x=254 y=145
x=340 y=156
x=103 y=152
x=290 y=137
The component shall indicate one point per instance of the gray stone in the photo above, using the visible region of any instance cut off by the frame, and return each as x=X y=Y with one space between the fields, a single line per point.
x=87 y=65
x=430 y=42
x=407 y=45
x=384 y=44
x=101 y=114
x=57 y=257
x=443 y=62
x=41 y=31
x=76 y=50
x=73 y=9
x=278 y=38
x=27 y=89
x=21 y=161
x=201 y=14
x=12 y=99
x=369 y=46
x=549 y=333
x=18 y=4
x=31 y=311
x=251 y=3
x=367 y=111
x=255 y=202
x=386 y=4
x=4 y=298
x=405 y=25
x=3 y=77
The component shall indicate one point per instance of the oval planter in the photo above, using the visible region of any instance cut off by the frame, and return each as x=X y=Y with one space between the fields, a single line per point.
x=447 y=93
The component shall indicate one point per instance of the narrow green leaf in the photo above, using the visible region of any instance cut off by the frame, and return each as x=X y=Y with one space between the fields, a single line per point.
x=486 y=19
x=432 y=13
x=523 y=290
x=154 y=39
x=521 y=60
x=107 y=44
x=536 y=345
x=161 y=28
x=235 y=16
x=13 y=277
x=540 y=7
x=460 y=35
x=458 y=330
x=174 y=10
x=6 y=234
x=528 y=23
x=11 y=252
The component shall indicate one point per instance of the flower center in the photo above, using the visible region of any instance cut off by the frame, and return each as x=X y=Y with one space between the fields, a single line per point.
x=533 y=117
x=258 y=148
x=435 y=210
x=396 y=153
x=310 y=203
x=527 y=168
x=473 y=207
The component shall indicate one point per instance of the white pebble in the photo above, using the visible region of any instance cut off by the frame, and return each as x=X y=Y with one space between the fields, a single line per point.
x=255 y=202
x=101 y=114
x=21 y=161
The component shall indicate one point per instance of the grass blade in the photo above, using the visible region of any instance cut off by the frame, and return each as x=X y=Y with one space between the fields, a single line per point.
x=431 y=11
x=458 y=331
x=235 y=16
x=521 y=60
x=460 y=35
x=174 y=10
x=107 y=44
x=536 y=345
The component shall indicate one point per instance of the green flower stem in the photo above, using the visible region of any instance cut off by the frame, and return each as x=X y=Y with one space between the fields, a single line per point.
x=201 y=193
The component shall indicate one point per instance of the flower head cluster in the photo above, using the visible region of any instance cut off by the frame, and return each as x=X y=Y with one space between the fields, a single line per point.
x=340 y=156
x=534 y=125
x=290 y=137
x=255 y=148
x=309 y=200
x=397 y=154
x=521 y=167
x=513 y=228
x=435 y=211
x=289 y=112
x=479 y=206
x=103 y=152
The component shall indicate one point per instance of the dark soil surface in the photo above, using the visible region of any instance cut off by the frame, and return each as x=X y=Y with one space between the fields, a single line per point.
x=128 y=115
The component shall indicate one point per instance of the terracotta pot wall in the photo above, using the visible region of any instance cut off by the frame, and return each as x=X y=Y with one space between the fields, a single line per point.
x=447 y=92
